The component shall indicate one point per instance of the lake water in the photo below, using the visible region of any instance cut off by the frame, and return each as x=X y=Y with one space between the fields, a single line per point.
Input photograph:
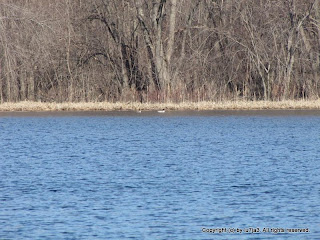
x=159 y=176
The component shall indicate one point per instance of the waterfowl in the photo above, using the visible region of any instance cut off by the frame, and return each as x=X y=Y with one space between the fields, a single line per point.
x=162 y=111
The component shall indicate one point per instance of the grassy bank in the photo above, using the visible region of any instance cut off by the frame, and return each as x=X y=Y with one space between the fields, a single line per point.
x=106 y=106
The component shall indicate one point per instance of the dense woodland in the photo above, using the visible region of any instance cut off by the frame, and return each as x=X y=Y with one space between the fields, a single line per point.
x=159 y=50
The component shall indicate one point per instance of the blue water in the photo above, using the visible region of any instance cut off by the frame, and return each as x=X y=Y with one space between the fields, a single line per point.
x=122 y=177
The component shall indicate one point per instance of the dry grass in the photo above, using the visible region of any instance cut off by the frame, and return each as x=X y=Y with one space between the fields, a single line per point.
x=106 y=106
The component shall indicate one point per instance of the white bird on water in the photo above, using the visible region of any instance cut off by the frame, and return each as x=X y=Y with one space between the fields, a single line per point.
x=162 y=111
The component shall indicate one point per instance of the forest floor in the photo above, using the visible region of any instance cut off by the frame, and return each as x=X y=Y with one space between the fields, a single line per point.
x=28 y=106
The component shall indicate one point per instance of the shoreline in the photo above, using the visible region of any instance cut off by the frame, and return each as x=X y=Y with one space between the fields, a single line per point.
x=28 y=106
x=240 y=108
x=184 y=113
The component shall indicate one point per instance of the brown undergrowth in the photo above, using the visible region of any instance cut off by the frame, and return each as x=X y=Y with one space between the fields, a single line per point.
x=134 y=106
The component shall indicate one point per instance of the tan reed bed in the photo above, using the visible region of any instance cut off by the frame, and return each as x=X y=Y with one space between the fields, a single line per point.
x=121 y=106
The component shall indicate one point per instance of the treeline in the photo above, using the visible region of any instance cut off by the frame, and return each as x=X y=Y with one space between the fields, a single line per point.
x=159 y=50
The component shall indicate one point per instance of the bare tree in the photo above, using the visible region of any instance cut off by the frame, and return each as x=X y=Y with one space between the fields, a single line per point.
x=160 y=50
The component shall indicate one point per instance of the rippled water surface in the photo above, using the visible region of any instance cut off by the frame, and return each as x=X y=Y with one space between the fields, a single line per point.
x=159 y=177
